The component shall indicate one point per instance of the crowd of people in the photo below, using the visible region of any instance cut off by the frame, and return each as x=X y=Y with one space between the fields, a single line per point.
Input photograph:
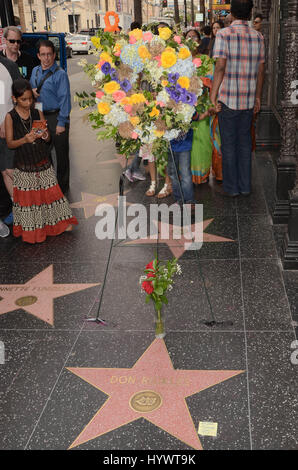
x=34 y=120
x=220 y=139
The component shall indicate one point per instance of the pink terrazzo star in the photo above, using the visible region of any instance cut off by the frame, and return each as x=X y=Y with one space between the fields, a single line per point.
x=179 y=246
x=89 y=202
x=37 y=295
x=152 y=389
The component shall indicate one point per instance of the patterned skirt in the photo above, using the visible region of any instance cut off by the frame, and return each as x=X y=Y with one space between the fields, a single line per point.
x=39 y=207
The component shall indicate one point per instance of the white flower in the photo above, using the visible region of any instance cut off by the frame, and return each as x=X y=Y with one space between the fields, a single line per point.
x=116 y=116
x=99 y=76
x=142 y=279
x=163 y=96
x=187 y=111
x=179 y=270
x=172 y=134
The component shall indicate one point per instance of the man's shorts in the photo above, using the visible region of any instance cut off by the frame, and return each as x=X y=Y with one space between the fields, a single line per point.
x=6 y=156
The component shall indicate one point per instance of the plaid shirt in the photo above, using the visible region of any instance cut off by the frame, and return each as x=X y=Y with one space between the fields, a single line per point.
x=243 y=47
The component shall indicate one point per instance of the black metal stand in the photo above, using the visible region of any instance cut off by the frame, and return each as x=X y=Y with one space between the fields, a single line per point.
x=97 y=319
x=211 y=322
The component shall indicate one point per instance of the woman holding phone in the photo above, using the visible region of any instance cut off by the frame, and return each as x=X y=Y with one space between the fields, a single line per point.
x=39 y=207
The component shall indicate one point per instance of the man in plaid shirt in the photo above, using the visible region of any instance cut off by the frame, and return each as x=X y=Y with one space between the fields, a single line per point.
x=237 y=85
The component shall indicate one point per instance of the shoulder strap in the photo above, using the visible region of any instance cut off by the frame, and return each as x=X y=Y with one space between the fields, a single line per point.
x=48 y=75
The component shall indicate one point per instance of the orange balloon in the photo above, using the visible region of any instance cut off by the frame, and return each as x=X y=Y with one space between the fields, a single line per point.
x=111 y=27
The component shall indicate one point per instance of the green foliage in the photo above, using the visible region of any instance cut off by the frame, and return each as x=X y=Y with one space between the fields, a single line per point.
x=161 y=278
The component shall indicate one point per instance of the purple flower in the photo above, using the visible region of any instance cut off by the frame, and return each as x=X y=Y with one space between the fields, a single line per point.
x=170 y=90
x=190 y=98
x=125 y=85
x=113 y=74
x=176 y=95
x=173 y=77
x=106 y=68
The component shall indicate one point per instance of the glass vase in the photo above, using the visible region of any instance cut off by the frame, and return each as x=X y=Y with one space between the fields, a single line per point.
x=159 y=326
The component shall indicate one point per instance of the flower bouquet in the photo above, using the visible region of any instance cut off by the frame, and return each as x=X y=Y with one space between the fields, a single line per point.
x=147 y=87
x=159 y=280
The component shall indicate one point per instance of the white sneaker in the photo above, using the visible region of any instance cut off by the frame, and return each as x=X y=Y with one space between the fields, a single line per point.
x=4 y=230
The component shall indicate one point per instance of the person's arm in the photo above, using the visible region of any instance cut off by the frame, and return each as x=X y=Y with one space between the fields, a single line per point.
x=219 y=72
x=64 y=99
x=260 y=76
x=259 y=87
x=33 y=82
x=14 y=144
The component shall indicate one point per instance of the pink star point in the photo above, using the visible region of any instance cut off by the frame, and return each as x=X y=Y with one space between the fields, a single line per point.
x=152 y=389
x=90 y=201
x=179 y=246
x=37 y=295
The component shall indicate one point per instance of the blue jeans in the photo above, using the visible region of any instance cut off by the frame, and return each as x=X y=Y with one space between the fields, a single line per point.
x=236 y=147
x=182 y=160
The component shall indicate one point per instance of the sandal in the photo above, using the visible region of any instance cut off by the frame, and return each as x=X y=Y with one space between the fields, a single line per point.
x=165 y=191
x=152 y=189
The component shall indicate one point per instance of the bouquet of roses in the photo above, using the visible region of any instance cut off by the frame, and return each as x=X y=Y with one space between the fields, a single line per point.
x=147 y=88
x=157 y=281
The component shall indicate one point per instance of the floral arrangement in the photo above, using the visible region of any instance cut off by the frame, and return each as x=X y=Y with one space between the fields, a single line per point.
x=147 y=88
x=157 y=281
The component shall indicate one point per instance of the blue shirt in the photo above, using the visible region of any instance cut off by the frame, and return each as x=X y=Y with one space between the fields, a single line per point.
x=55 y=92
x=183 y=145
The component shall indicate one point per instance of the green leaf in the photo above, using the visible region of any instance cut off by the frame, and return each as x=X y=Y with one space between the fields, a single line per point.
x=159 y=290
x=148 y=298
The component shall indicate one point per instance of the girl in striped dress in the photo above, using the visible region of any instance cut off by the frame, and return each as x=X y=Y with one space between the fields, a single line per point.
x=39 y=206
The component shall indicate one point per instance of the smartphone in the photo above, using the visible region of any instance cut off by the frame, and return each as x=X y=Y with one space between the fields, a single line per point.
x=39 y=126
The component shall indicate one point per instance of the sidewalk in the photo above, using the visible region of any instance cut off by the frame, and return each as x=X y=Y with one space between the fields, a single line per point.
x=60 y=370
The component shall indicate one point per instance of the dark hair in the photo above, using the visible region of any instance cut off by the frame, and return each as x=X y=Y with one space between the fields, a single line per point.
x=258 y=15
x=197 y=33
x=241 y=9
x=19 y=87
x=135 y=25
x=163 y=24
x=45 y=43
x=220 y=24
x=207 y=30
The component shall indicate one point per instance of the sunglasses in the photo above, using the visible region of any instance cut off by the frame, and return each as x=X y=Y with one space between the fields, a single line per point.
x=257 y=22
x=12 y=41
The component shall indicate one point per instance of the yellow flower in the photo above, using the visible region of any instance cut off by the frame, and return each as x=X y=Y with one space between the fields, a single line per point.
x=134 y=120
x=168 y=59
x=110 y=87
x=169 y=49
x=154 y=112
x=136 y=33
x=144 y=53
x=117 y=47
x=95 y=41
x=125 y=101
x=165 y=33
x=158 y=133
x=184 y=82
x=103 y=108
x=164 y=82
x=137 y=98
x=106 y=57
x=183 y=53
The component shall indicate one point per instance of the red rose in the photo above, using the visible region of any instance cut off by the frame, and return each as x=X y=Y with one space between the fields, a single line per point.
x=151 y=274
x=147 y=286
x=150 y=265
